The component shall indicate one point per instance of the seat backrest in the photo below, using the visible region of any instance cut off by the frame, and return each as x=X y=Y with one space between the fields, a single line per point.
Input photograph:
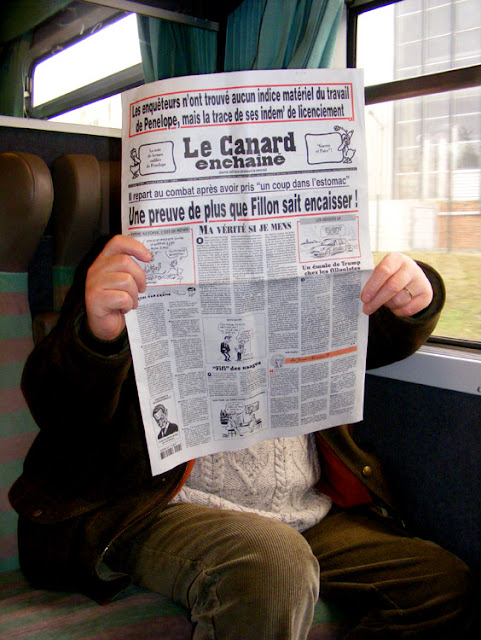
x=86 y=194
x=26 y=197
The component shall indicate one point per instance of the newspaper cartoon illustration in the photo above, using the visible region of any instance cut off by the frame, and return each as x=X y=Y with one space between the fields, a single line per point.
x=157 y=157
x=240 y=349
x=166 y=428
x=135 y=166
x=239 y=419
x=334 y=147
x=172 y=260
x=347 y=153
x=225 y=348
x=277 y=361
x=334 y=236
x=236 y=340
x=164 y=268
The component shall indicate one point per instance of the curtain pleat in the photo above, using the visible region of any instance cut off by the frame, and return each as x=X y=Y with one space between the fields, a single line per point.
x=242 y=37
x=273 y=34
x=169 y=49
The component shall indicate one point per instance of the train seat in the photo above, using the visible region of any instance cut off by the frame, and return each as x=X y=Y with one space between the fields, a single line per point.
x=76 y=216
x=26 y=196
x=86 y=206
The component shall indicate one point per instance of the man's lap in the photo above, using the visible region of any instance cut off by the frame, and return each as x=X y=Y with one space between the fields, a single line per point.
x=392 y=580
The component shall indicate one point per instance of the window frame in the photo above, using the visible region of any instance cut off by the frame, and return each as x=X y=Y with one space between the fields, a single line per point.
x=415 y=86
x=108 y=11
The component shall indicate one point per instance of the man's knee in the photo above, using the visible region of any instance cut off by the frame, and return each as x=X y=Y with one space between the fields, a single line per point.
x=265 y=587
x=275 y=556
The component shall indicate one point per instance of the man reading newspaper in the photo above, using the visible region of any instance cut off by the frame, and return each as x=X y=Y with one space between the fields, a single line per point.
x=246 y=540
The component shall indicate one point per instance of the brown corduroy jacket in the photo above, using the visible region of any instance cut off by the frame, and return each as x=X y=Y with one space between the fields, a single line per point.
x=87 y=476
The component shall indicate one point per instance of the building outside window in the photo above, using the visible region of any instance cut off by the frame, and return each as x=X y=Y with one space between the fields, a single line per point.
x=424 y=152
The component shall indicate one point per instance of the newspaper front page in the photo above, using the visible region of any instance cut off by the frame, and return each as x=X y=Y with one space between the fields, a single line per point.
x=250 y=191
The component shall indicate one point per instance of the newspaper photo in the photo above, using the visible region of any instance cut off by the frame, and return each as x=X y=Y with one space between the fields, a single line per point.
x=250 y=191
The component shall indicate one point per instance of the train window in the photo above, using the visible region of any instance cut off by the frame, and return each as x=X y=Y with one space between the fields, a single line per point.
x=103 y=63
x=85 y=56
x=421 y=60
x=101 y=113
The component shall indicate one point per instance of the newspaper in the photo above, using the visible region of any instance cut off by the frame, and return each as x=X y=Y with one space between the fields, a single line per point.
x=250 y=191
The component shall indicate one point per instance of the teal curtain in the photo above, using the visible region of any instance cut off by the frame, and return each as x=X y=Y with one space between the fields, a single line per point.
x=278 y=34
x=261 y=34
x=19 y=18
x=169 y=49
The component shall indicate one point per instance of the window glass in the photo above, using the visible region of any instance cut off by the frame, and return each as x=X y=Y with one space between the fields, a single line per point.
x=110 y=50
x=409 y=27
x=103 y=113
x=438 y=54
x=424 y=153
x=417 y=37
x=464 y=10
x=375 y=33
x=409 y=59
x=437 y=21
x=466 y=47
x=411 y=6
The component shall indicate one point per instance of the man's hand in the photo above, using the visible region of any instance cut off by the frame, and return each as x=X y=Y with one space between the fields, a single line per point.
x=114 y=281
x=398 y=283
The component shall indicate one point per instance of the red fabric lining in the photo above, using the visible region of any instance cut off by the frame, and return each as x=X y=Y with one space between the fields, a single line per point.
x=338 y=482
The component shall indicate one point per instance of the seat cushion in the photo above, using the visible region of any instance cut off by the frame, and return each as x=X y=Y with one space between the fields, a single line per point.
x=50 y=615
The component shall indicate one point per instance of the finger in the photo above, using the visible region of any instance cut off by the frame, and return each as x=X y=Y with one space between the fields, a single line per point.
x=106 y=307
x=403 y=298
x=109 y=321
x=126 y=245
x=114 y=283
x=405 y=304
x=391 y=289
x=388 y=266
x=105 y=267
x=116 y=300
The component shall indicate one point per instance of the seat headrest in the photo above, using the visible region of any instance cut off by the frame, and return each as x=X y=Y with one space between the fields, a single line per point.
x=77 y=206
x=110 y=175
x=26 y=197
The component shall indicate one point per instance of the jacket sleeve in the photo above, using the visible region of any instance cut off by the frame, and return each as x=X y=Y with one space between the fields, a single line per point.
x=71 y=380
x=392 y=338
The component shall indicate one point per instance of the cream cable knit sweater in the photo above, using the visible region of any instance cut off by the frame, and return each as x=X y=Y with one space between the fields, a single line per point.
x=274 y=478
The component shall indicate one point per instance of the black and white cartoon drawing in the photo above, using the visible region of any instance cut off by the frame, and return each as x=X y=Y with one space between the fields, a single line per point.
x=135 y=166
x=347 y=152
x=166 y=428
x=331 y=247
x=239 y=419
x=333 y=147
x=172 y=259
x=156 y=157
x=330 y=237
x=225 y=348
x=240 y=346
x=237 y=340
x=277 y=361
x=164 y=268
x=174 y=271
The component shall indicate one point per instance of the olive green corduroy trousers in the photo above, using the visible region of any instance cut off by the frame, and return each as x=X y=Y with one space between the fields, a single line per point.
x=244 y=576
